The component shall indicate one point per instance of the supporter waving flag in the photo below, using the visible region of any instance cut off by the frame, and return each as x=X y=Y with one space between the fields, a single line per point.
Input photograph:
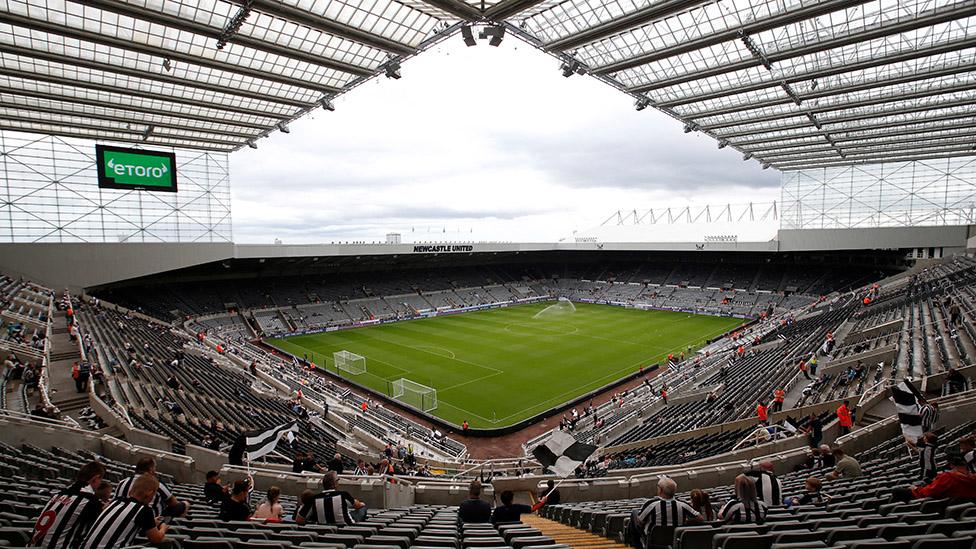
x=256 y=444
x=562 y=454
x=906 y=398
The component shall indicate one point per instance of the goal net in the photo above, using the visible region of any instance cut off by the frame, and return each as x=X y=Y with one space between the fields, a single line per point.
x=349 y=362
x=414 y=394
x=561 y=307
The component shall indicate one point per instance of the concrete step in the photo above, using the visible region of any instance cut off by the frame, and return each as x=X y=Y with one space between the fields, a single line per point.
x=573 y=537
x=71 y=402
x=70 y=354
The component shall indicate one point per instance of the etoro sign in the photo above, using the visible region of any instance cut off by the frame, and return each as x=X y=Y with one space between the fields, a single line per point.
x=135 y=169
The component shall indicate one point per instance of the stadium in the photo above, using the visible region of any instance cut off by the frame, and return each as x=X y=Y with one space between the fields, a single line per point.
x=664 y=379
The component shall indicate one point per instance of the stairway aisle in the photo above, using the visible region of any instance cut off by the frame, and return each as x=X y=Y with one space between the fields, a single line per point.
x=574 y=537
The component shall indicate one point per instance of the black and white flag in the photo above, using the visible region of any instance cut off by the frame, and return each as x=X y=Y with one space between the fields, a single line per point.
x=789 y=425
x=258 y=443
x=562 y=454
x=673 y=366
x=906 y=398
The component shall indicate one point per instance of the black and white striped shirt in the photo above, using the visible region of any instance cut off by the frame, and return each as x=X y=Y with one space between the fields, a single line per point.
x=329 y=507
x=118 y=524
x=66 y=518
x=736 y=511
x=158 y=503
x=926 y=460
x=665 y=512
x=929 y=416
x=769 y=489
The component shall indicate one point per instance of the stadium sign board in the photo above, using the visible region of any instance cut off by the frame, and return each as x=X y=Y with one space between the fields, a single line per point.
x=135 y=169
x=442 y=248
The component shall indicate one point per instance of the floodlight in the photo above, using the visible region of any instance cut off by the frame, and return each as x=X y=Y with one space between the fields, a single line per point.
x=722 y=144
x=283 y=128
x=252 y=144
x=746 y=156
x=393 y=70
x=570 y=67
x=691 y=127
x=765 y=165
x=494 y=33
x=167 y=65
x=148 y=132
x=468 y=36
x=642 y=103
x=327 y=104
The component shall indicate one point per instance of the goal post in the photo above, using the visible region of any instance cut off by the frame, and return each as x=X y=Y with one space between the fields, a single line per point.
x=414 y=394
x=349 y=362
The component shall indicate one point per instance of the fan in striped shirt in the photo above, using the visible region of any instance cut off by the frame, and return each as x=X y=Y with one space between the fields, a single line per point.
x=768 y=487
x=332 y=506
x=68 y=515
x=164 y=503
x=745 y=507
x=123 y=519
x=662 y=510
x=929 y=445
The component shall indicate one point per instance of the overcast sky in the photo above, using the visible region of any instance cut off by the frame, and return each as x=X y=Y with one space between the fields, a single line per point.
x=479 y=144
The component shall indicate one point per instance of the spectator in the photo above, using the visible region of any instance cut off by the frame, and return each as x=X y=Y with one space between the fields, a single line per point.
x=812 y=495
x=69 y=514
x=701 y=502
x=270 y=508
x=213 y=491
x=512 y=512
x=335 y=464
x=827 y=460
x=955 y=381
x=779 y=398
x=929 y=413
x=360 y=468
x=768 y=486
x=927 y=448
x=474 y=509
x=552 y=494
x=814 y=430
x=662 y=510
x=236 y=506
x=844 y=466
x=844 y=418
x=744 y=507
x=104 y=493
x=332 y=506
x=803 y=369
x=164 y=502
x=967 y=446
x=762 y=413
x=304 y=499
x=128 y=516
x=304 y=461
x=464 y=427
x=956 y=483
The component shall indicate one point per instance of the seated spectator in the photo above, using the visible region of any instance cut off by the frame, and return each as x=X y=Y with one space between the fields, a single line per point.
x=127 y=517
x=512 y=512
x=270 y=508
x=236 y=507
x=304 y=461
x=662 y=510
x=967 y=447
x=702 y=502
x=104 y=493
x=332 y=506
x=304 y=499
x=551 y=494
x=164 y=502
x=360 y=468
x=69 y=514
x=812 y=494
x=827 y=459
x=768 y=486
x=474 y=509
x=956 y=483
x=927 y=448
x=745 y=507
x=213 y=491
x=845 y=466
x=335 y=464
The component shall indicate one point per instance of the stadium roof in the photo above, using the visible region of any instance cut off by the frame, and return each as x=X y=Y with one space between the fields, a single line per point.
x=792 y=83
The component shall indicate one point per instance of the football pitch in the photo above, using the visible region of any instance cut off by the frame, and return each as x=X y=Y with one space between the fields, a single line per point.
x=497 y=367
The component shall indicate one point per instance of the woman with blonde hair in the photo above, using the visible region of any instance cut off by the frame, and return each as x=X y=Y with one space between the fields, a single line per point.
x=745 y=507
x=270 y=508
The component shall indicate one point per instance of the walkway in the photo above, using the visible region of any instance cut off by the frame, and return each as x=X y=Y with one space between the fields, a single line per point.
x=574 y=537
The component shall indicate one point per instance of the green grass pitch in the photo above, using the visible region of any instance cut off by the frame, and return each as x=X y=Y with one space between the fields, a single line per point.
x=497 y=367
